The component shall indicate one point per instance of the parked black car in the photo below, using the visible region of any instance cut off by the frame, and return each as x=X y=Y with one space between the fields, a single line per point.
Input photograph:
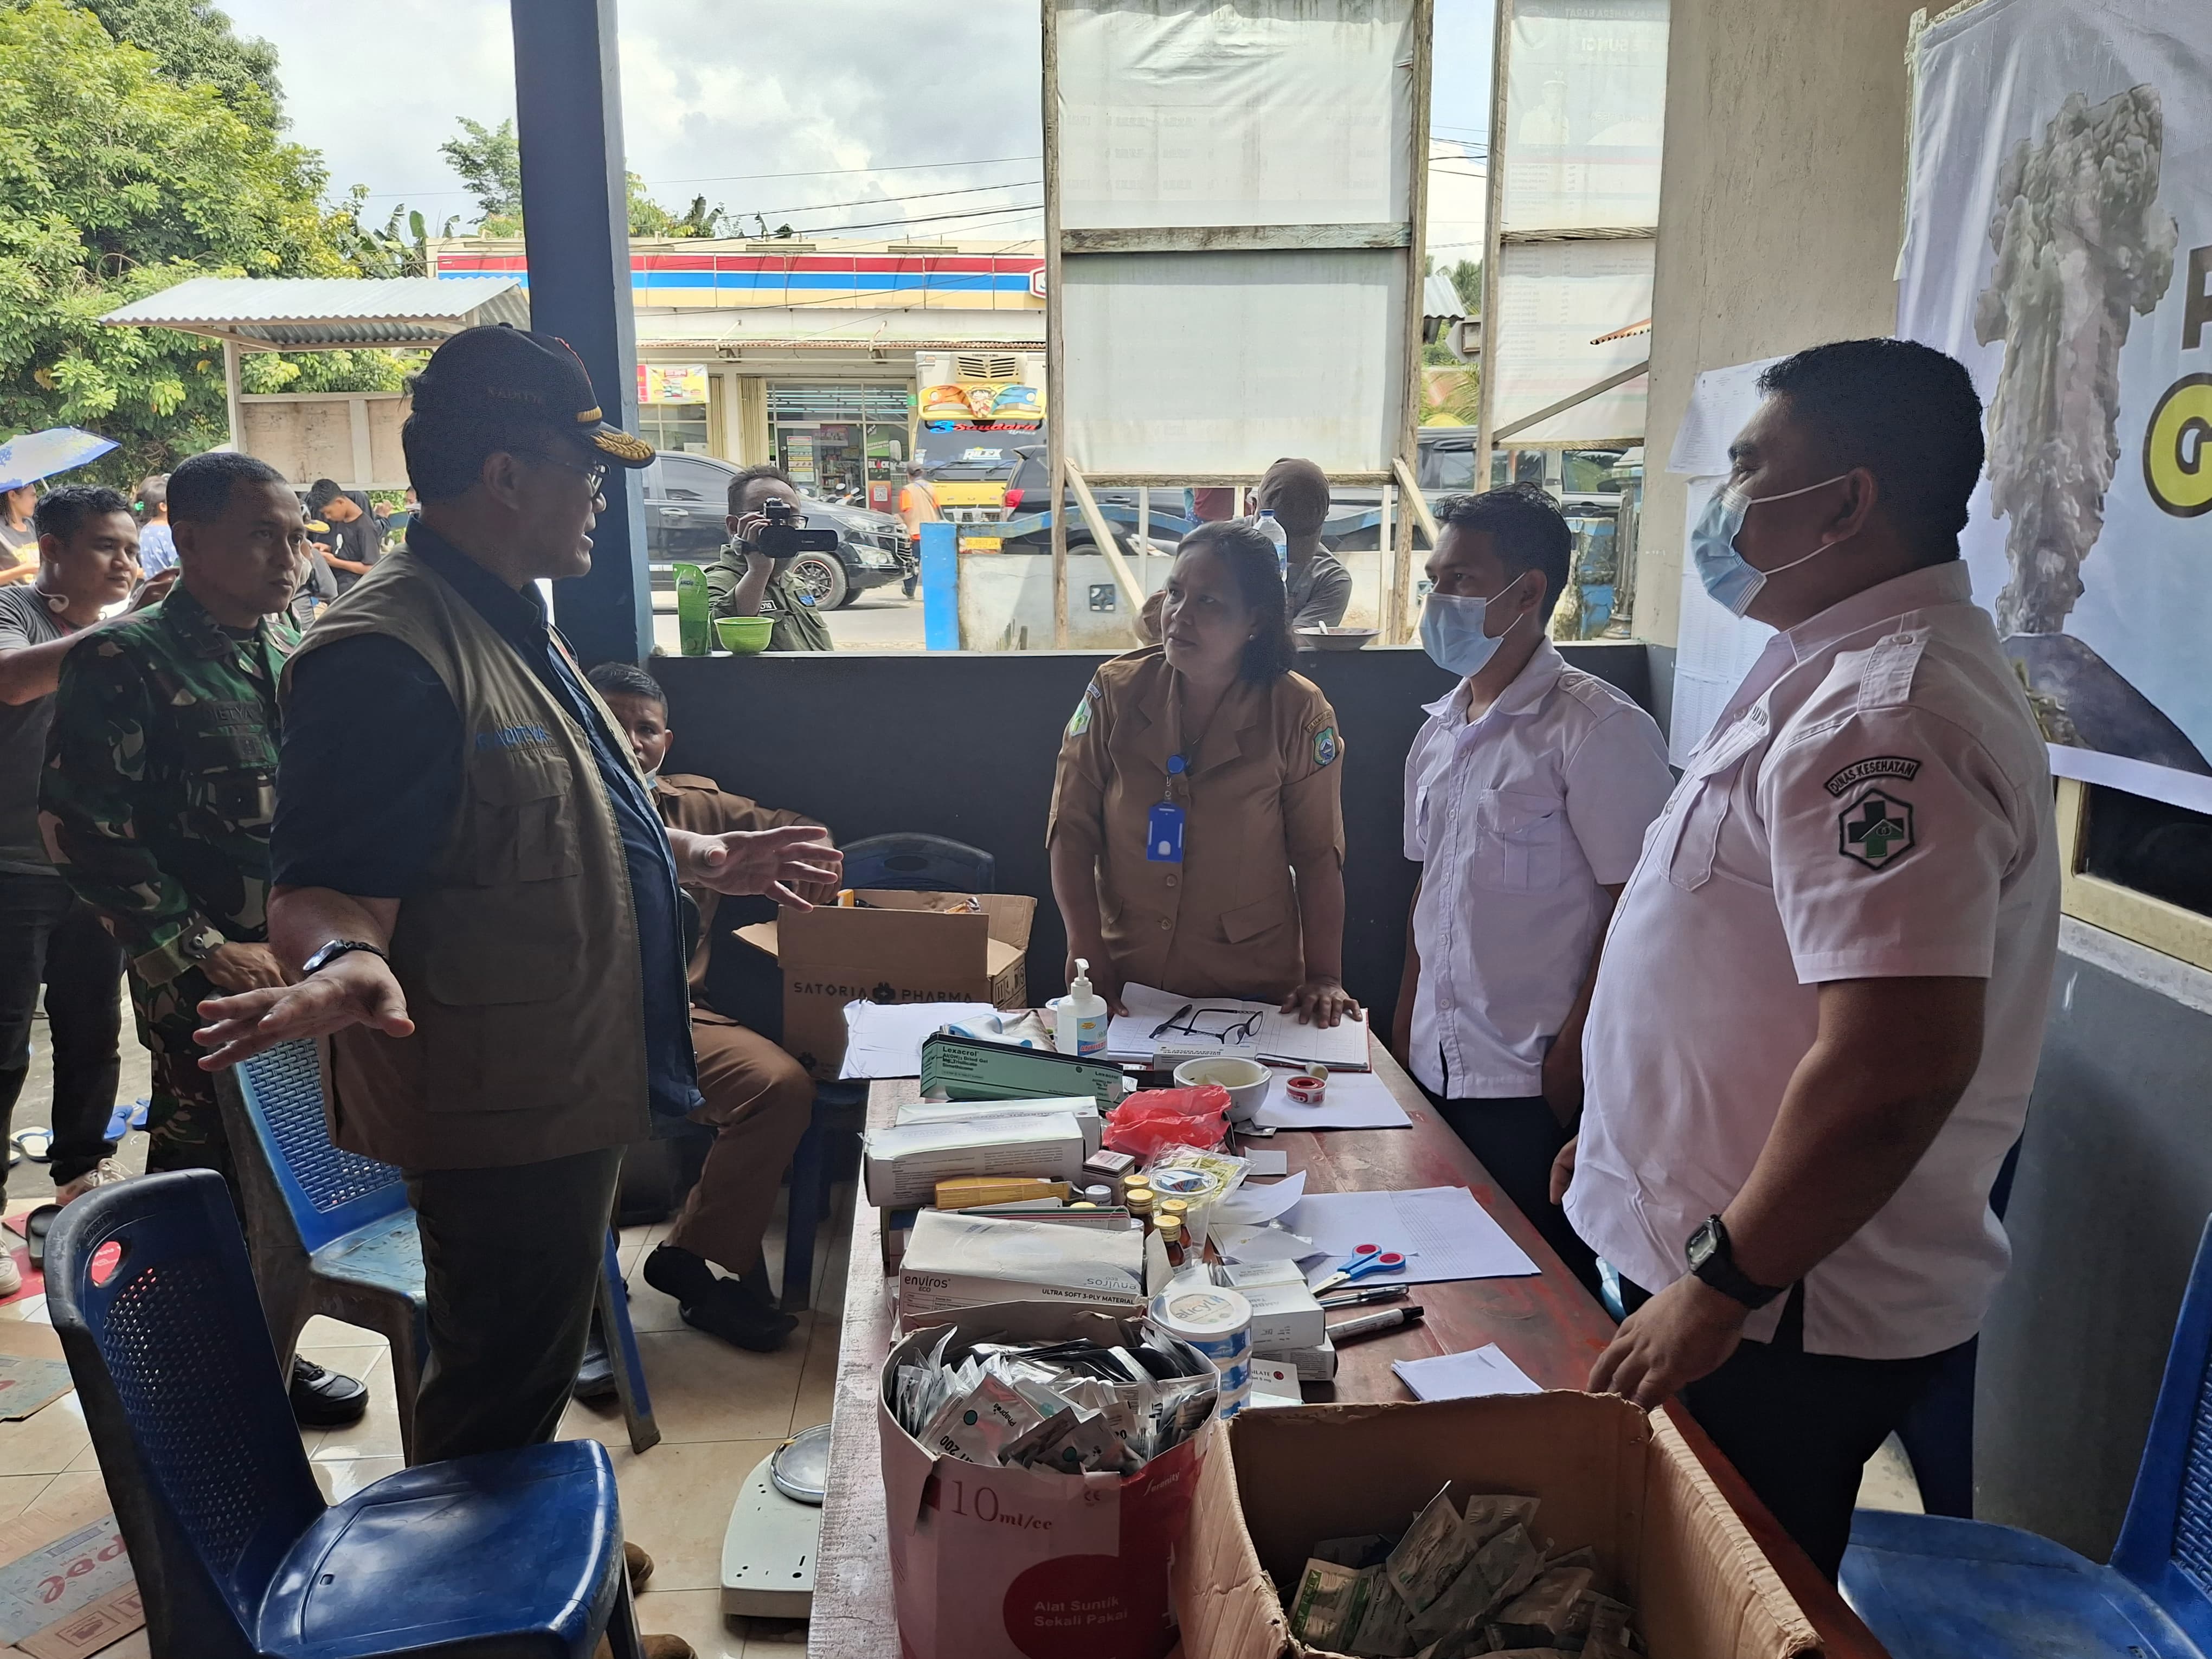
x=686 y=498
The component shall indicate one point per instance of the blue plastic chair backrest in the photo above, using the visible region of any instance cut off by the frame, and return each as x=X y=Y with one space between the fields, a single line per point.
x=2165 y=1541
x=178 y=1377
x=330 y=1191
x=916 y=863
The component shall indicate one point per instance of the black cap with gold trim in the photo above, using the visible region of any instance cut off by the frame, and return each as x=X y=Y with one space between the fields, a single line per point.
x=500 y=372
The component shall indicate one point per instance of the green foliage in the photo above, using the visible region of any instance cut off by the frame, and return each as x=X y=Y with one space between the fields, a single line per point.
x=194 y=45
x=489 y=163
x=1467 y=279
x=116 y=182
x=401 y=248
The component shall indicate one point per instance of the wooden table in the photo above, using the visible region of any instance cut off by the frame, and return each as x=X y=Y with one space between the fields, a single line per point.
x=1548 y=1325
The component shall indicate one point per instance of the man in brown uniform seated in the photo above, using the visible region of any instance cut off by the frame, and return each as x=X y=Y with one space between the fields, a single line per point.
x=758 y=1098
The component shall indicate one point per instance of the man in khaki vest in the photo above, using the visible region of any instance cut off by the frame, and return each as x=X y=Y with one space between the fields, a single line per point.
x=465 y=880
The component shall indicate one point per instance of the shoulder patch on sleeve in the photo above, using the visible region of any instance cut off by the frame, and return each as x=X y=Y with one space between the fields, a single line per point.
x=1875 y=830
x=1325 y=746
x=1079 y=722
x=1887 y=679
x=1874 y=766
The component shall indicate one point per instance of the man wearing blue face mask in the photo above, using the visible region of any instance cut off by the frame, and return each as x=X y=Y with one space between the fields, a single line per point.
x=1526 y=796
x=1817 y=1018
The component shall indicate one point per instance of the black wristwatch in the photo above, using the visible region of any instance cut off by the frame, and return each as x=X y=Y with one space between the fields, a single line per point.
x=1713 y=1259
x=200 y=944
x=337 y=948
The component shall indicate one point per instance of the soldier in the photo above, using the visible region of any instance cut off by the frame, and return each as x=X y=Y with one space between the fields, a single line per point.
x=158 y=793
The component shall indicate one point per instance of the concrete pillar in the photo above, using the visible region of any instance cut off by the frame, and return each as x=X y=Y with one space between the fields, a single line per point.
x=752 y=436
x=567 y=118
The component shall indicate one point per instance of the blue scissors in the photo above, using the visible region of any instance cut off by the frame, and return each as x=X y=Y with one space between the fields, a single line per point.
x=1365 y=1259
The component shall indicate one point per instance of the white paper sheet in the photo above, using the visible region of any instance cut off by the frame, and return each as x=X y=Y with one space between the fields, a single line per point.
x=1259 y=1030
x=1266 y=1161
x=1249 y=1206
x=1355 y=1100
x=1237 y=1242
x=1442 y=1230
x=883 y=1039
x=1470 y=1376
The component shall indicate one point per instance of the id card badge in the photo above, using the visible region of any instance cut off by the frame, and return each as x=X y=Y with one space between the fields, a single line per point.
x=1164 y=834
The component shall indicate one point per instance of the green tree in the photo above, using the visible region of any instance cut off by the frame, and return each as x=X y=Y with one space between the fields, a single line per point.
x=489 y=163
x=1467 y=279
x=118 y=182
x=195 y=45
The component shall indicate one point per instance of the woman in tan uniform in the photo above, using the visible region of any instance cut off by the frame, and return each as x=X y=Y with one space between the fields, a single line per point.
x=1197 y=836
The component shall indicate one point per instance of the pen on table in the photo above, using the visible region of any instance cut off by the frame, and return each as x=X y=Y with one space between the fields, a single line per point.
x=1359 y=1298
x=1169 y=1023
x=1374 y=1324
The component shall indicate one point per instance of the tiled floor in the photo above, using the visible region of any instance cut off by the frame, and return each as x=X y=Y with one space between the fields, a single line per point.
x=721 y=1410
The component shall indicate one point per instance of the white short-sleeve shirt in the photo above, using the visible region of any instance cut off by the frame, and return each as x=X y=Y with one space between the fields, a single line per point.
x=1875 y=802
x=1517 y=819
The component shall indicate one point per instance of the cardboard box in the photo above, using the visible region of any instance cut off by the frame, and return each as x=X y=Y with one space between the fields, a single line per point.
x=954 y=1262
x=892 y=947
x=903 y=1165
x=66 y=1590
x=1024 y=1564
x=1610 y=1477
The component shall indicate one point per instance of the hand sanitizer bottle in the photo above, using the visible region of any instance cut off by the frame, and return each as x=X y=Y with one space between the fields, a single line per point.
x=1081 y=1027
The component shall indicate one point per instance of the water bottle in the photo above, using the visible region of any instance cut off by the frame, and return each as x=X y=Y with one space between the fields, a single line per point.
x=1274 y=532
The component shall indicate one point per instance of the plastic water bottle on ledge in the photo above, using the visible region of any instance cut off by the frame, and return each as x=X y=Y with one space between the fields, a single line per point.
x=1274 y=532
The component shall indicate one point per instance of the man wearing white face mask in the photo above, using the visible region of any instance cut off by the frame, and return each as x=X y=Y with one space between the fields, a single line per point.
x=1815 y=1027
x=1526 y=796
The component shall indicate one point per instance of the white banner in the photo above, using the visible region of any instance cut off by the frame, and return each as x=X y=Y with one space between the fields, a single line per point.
x=2060 y=244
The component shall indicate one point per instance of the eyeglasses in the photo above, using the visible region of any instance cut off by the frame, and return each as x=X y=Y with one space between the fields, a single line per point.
x=1234 y=1030
x=592 y=475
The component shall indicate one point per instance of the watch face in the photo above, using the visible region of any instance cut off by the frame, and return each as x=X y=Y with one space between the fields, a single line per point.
x=1701 y=1246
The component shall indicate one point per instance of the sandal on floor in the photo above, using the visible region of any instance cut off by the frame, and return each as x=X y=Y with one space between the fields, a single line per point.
x=36 y=1225
x=37 y=1144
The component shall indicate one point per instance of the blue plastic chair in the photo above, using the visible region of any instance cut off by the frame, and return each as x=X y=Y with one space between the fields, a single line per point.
x=1935 y=1587
x=516 y=1553
x=331 y=1232
x=917 y=863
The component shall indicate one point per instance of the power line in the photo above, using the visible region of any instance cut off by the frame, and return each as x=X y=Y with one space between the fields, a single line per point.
x=743 y=177
x=924 y=219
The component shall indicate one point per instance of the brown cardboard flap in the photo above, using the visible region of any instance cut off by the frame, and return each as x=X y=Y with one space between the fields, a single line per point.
x=999 y=955
x=1610 y=1477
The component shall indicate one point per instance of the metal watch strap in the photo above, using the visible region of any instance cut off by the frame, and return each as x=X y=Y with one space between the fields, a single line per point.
x=333 y=949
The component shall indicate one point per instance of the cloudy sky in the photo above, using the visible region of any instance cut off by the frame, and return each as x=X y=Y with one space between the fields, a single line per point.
x=838 y=115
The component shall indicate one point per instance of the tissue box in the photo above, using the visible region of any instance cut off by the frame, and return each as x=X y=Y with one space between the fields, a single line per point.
x=1083 y=1108
x=903 y=1165
x=954 y=1262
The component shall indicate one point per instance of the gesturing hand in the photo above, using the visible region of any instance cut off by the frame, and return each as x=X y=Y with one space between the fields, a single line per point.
x=1321 y=1000
x=786 y=865
x=357 y=989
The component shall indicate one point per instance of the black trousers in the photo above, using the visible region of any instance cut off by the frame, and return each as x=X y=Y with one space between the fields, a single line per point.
x=511 y=1258
x=50 y=937
x=1799 y=1426
x=1516 y=1141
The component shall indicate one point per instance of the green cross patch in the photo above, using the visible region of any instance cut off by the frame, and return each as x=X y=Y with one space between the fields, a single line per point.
x=1876 y=829
x=1079 y=722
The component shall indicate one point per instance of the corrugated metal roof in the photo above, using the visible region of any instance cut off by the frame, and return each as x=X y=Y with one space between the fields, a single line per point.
x=308 y=313
x=1440 y=296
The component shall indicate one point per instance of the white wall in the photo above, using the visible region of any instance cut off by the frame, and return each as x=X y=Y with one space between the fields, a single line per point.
x=1780 y=212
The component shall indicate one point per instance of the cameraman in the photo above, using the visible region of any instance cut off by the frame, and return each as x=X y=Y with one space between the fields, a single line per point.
x=745 y=582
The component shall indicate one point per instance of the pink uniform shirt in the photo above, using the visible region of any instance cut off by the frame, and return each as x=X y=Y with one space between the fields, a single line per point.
x=1875 y=802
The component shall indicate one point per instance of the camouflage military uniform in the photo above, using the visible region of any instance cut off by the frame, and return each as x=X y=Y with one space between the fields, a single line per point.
x=798 y=625
x=159 y=785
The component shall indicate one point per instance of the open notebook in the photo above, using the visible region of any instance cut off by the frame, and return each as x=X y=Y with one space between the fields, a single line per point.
x=1259 y=1029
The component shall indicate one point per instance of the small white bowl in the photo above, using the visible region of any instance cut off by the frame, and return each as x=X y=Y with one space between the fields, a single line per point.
x=1245 y=1079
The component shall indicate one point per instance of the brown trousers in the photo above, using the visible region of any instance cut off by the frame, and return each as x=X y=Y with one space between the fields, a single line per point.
x=758 y=1102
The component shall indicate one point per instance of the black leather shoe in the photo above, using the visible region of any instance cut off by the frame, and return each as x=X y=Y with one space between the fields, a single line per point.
x=739 y=1316
x=595 y=1377
x=321 y=1399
